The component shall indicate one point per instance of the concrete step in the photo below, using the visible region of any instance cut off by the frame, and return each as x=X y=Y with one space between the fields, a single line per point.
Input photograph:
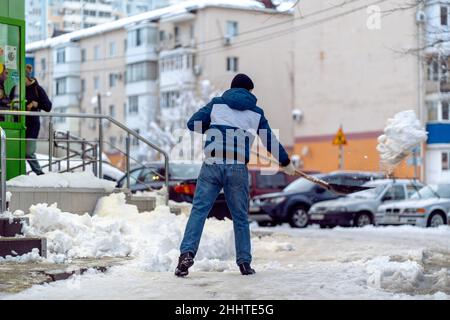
x=12 y=227
x=20 y=246
x=144 y=204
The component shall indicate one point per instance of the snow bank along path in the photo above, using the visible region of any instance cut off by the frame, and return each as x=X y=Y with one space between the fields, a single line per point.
x=63 y=180
x=117 y=230
x=402 y=134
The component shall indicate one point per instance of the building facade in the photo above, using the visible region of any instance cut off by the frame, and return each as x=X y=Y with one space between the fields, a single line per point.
x=355 y=68
x=142 y=65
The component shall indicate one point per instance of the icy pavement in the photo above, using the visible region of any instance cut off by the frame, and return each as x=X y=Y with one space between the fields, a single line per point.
x=370 y=263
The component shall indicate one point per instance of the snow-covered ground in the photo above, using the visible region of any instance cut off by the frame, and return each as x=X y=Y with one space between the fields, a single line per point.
x=370 y=263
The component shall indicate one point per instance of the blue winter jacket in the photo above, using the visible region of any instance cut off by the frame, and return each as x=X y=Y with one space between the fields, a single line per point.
x=231 y=123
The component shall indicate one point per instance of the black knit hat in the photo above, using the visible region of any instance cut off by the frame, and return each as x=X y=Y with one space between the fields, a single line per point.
x=242 y=81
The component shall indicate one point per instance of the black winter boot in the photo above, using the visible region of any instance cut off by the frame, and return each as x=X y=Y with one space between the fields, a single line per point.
x=185 y=261
x=246 y=269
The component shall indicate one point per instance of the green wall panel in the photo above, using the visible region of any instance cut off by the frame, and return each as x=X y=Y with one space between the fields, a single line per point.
x=12 y=9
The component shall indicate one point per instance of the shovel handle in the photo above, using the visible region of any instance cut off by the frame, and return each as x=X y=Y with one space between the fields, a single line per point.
x=315 y=180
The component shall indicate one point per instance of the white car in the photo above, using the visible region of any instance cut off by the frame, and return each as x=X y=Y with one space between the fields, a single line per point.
x=429 y=207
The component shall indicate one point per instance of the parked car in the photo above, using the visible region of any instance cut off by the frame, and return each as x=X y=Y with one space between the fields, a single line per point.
x=263 y=181
x=429 y=207
x=293 y=203
x=359 y=209
x=182 y=179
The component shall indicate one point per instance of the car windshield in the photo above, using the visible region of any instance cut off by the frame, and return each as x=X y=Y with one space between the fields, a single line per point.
x=185 y=171
x=433 y=191
x=373 y=193
x=299 y=185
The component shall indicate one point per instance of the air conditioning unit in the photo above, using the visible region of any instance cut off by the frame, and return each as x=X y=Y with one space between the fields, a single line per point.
x=227 y=41
x=421 y=16
x=197 y=70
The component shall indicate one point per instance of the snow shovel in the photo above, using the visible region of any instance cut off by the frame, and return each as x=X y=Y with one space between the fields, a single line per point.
x=333 y=187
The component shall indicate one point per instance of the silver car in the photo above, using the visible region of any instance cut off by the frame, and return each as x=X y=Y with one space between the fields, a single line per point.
x=358 y=209
x=428 y=207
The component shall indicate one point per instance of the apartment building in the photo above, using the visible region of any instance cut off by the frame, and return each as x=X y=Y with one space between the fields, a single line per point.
x=36 y=20
x=140 y=65
x=47 y=18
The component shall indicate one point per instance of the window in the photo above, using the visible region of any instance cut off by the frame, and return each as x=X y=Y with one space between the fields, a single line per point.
x=432 y=109
x=83 y=55
x=162 y=36
x=152 y=36
x=445 y=111
x=112 y=80
x=60 y=120
x=97 y=83
x=112 y=111
x=96 y=53
x=83 y=85
x=192 y=31
x=412 y=188
x=232 y=29
x=112 y=49
x=142 y=71
x=61 y=56
x=445 y=161
x=43 y=64
x=138 y=37
x=270 y=181
x=112 y=142
x=169 y=99
x=177 y=34
x=134 y=140
x=444 y=16
x=61 y=86
x=395 y=193
x=133 y=103
x=232 y=64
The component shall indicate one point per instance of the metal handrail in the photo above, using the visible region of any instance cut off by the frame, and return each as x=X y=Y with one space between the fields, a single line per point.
x=3 y=167
x=100 y=118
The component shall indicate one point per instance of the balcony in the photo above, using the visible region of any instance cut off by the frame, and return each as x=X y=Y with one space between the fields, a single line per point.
x=178 y=68
x=142 y=43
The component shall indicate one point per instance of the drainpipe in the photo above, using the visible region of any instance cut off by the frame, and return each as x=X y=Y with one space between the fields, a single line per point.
x=420 y=88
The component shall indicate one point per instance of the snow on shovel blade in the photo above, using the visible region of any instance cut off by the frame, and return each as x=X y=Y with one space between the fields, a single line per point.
x=346 y=189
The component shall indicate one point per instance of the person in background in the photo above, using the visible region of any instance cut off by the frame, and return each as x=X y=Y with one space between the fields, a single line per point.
x=37 y=100
x=4 y=97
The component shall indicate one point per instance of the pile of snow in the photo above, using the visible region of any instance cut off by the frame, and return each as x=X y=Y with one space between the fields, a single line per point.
x=402 y=134
x=63 y=180
x=407 y=276
x=118 y=230
x=26 y=258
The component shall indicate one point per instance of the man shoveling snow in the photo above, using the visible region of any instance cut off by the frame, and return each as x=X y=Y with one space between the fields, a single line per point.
x=234 y=114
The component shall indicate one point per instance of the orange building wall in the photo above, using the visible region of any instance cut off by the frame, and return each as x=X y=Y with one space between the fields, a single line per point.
x=359 y=154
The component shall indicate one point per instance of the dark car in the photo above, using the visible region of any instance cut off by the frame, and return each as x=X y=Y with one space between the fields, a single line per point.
x=263 y=181
x=293 y=203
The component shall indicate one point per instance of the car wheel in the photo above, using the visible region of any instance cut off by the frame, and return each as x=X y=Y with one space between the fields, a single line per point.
x=435 y=220
x=363 y=219
x=298 y=217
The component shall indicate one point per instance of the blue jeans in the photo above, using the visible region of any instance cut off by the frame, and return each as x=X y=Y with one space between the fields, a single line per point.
x=31 y=156
x=233 y=179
